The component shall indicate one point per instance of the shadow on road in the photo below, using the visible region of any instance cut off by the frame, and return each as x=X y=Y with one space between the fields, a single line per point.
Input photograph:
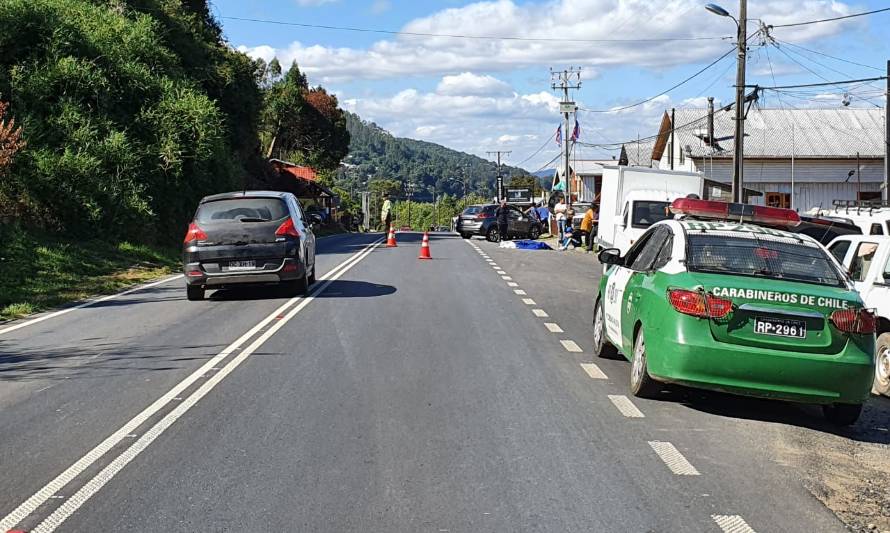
x=337 y=289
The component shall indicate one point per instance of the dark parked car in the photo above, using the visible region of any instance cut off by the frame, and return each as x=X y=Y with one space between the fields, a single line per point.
x=248 y=238
x=481 y=220
x=825 y=229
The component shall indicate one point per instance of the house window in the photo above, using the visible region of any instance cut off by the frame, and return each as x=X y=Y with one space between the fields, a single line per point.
x=778 y=199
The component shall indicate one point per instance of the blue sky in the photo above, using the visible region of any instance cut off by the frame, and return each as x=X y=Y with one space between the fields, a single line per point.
x=477 y=95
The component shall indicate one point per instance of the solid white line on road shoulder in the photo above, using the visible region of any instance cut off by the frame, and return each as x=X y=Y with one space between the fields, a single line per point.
x=673 y=458
x=732 y=523
x=540 y=313
x=519 y=292
x=627 y=408
x=571 y=346
x=593 y=371
x=60 y=312
x=528 y=301
x=54 y=487
x=553 y=328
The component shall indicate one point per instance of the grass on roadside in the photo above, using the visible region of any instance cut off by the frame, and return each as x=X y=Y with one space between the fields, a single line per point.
x=39 y=270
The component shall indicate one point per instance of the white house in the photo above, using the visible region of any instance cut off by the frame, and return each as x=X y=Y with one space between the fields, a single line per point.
x=800 y=158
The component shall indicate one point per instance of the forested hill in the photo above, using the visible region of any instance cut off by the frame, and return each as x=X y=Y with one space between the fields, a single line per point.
x=378 y=155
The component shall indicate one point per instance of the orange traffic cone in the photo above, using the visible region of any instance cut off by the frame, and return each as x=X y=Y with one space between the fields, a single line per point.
x=425 y=247
x=391 y=240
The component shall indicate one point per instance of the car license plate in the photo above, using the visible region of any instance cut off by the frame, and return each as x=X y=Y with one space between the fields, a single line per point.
x=780 y=327
x=242 y=265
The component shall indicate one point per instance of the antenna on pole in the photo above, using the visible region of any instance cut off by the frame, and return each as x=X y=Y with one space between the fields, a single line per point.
x=566 y=80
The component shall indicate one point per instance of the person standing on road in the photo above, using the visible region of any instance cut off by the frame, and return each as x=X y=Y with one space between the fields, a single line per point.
x=587 y=227
x=503 y=217
x=560 y=210
x=386 y=214
x=544 y=215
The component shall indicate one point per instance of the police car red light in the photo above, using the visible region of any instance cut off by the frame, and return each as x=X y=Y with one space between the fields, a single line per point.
x=758 y=214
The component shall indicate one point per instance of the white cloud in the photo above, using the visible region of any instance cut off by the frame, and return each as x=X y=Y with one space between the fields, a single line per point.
x=507 y=139
x=469 y=84
x=555 y=19
x=380 y=6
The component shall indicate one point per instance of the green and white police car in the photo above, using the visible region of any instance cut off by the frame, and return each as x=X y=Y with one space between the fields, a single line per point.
x=718 y=298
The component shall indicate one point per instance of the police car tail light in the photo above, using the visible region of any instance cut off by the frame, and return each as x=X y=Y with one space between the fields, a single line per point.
x=758 y=214
x=854 y=320
x=695 y=303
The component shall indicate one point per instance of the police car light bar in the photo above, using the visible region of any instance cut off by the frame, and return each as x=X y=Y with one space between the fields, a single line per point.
x=712 y=209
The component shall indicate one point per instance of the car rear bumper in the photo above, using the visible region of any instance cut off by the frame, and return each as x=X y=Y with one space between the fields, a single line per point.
x=207 y=266
x=473 y=228
x=702 y=362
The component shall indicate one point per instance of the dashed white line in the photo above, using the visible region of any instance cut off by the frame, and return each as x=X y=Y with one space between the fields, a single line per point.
x=627 y=408
x=673 y=458
x=571 y=346
x=553 y=328
x=732 y=523
x=512 y=284
x=593 y=371
x=528 y=301
x=540 y=313
x=506 y=278
x=519 y=292
x=501 y=272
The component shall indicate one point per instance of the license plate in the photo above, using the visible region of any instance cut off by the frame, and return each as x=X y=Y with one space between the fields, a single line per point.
x=242 y=265
x=780 y=327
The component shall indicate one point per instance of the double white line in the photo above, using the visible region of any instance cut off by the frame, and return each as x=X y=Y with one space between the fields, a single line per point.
x=292 y=307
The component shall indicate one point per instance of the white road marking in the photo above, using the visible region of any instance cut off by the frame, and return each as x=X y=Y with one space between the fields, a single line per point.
x=512 y=284
x=553 y=328
x=627 y=408
x=540 y=313
x=500 y=272
x=519 y=292
x=732 y=523
x=593 y=371
x=54 y=487
x=61 y=312
x=528 y=301
x=571 y=346
x=506 y=278
x=673 y=458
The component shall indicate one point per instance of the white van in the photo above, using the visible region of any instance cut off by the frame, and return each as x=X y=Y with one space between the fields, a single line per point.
x=632 y=199
x=872 y=220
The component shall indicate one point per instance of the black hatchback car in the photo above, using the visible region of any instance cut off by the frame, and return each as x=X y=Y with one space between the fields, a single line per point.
x=248 y=238
x=481 y=220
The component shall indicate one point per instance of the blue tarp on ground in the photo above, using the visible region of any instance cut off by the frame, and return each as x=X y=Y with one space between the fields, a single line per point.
x=532 y=245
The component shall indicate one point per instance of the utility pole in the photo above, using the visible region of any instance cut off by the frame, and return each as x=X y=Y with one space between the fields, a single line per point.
x=738 y=157
x=500 y=179
x=858 y=180
x=410 y=190
x=887 y=137
x=566 y=80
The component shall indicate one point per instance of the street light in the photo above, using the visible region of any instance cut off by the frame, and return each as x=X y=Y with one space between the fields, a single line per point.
x=738 y=158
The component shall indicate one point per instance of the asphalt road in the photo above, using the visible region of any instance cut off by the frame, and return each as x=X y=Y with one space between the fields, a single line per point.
x=404 y=395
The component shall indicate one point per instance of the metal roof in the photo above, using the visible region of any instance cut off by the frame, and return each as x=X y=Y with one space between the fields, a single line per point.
x=779 y=133
x=584 y=167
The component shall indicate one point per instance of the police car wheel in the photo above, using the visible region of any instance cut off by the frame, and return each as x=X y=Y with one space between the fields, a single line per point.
x=601 y=346
x=882 y=365
x=842 y=414
x=641 y=384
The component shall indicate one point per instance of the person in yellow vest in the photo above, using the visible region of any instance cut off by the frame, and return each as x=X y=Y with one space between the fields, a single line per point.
x=587 y=227
x=386 y=214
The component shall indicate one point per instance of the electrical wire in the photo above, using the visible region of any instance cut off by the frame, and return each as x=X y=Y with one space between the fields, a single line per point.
x=828 y=55
x=538 y=151
x=831 y=19
x=835 y=83
x=816 y=73
x=461 y=36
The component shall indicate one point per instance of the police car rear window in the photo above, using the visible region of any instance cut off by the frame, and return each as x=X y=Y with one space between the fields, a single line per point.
x=761 y=256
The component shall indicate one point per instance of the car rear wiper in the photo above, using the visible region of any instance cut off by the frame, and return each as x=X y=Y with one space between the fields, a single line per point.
x=249 y=219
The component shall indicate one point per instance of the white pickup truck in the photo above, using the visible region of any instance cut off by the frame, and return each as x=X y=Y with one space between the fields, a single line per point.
x=867 y=260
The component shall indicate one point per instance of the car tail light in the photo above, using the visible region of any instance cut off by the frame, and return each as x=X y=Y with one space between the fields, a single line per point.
x=854 y=320
x=287 y=229
x=698 y=304
x=194 y=233
x=195 y=273
x=758 y=214
x=483 y=215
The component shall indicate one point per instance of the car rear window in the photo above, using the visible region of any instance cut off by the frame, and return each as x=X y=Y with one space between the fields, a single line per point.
x=647 y=213
x=762 y=256
x=473 y=210
x=242 y=209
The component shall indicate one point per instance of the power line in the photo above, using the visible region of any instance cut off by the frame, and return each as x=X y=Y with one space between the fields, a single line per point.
x=828 y=55
x=538 y=151
x=830 y=19
x=462 y=36
x=646 y=101
x=841 y=82
x=786 y=54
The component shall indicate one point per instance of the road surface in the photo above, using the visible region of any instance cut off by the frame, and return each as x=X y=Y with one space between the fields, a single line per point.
x=458 y=394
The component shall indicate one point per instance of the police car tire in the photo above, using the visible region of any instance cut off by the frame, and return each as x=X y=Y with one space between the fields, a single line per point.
x=882 y=365
x=641 y=384
x=842 y=414
x=603 y=348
